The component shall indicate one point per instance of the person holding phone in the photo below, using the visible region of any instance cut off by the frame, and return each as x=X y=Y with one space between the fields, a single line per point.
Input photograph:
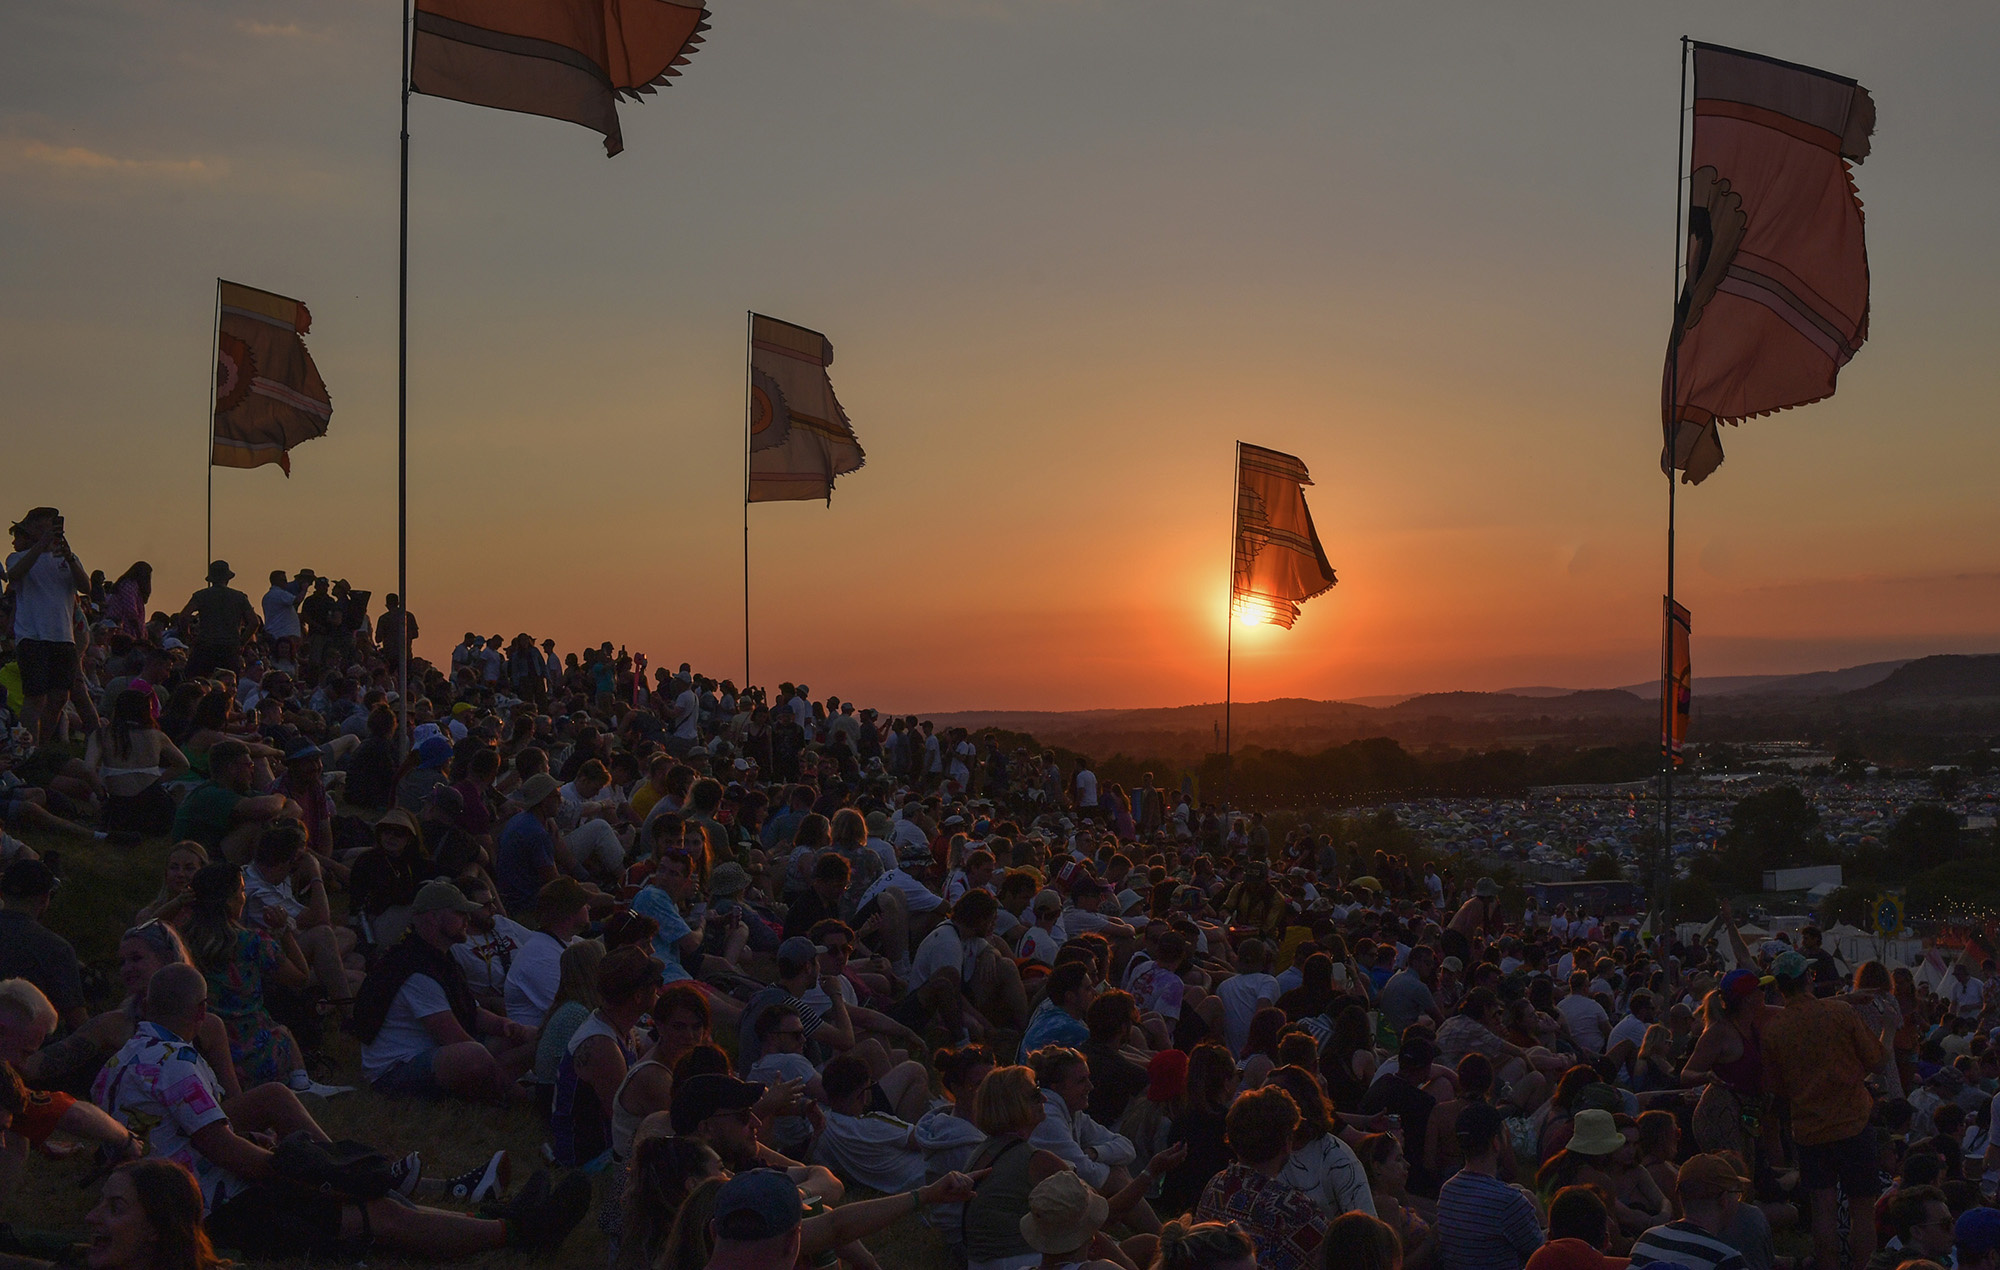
x=45 y=577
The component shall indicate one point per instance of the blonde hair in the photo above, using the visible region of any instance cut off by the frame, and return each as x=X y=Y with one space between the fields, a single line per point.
x=578 y=975
x=194 y=848
x=1007 y=1101
x=1657 y=1043
x=26 y=1002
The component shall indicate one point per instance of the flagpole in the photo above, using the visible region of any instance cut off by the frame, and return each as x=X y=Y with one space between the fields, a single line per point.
x=208 y=459
x=403 y=408
x=1229 y=633
x=749 y=319
x=1664 y=868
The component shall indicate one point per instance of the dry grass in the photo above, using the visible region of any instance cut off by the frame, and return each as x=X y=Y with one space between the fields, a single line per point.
x=103 y=886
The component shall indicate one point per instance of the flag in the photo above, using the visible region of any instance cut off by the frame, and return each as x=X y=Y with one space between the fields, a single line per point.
x=563 y=59
x=1776 y=297
x=268 y=394
x=1676 y=682
x=1279 y=564
x=800 y=439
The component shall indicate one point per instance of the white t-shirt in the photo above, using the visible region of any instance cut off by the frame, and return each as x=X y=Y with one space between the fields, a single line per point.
x=532 y=983
x=1040 y=945
x=687 y=716
x=1964 y=997
x=1242 y=996
x=816 y=997
x=44 y=600
x=1630 y=1028
x=1586 y=1020
x=403 y=1035
x=1077 y=922
x=259 y=895
x=486 y=959
x=876 y=1150
x=281 y=613
x=941 y=948
x=1086 y=788
x=1157 y=989
x=920 y=897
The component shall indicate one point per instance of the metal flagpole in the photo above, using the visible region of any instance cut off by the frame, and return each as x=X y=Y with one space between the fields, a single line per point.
x=403 y=409
x=208 y=459
x=1664 y=869
x=749 y=320
x=1229 y=632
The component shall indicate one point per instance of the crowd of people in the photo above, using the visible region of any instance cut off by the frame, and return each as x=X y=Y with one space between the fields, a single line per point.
x=751 y=954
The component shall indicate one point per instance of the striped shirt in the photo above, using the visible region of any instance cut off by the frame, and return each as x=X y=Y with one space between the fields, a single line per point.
x=1688 y=1244
x=1485 y=1224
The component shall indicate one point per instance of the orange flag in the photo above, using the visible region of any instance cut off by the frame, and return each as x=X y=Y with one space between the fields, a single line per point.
x=1279 y=562
x=1776 y=299
x=1676 y=683
x=268 y=394
x=564 y=59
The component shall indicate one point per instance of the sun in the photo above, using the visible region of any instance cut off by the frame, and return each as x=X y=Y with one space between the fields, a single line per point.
x=1250 y=617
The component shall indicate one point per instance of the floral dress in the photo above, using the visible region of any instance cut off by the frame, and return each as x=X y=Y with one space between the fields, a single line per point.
x=260 y=1049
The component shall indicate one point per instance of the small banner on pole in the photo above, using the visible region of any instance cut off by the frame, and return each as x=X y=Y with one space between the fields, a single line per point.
x=268 y=394
x=800 y=439
x=1776 y=299
x=1279 y=563
x=1676 y=683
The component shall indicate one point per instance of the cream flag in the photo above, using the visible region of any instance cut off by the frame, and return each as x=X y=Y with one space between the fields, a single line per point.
x=800 y=439
x=1279 y=562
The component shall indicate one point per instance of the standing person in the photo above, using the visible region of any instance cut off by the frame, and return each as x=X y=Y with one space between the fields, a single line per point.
x=1484 y=1224
x=44 y=577
x=281 y=607
x=130 y=594
x=223 y=619
x=1818 y=1056
x=394 y=628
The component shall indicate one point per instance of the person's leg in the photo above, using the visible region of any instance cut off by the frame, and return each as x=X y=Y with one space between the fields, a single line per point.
x=514 y=1060
x=469 y=1070
x=1140 y=1216
x=321 y=945
x=908 y=1088
x=430 y=1233
x=895 y=912
x=30 y=811
x=595 y=846
x=997 y=990
x=338 y=748
x=272 y=1108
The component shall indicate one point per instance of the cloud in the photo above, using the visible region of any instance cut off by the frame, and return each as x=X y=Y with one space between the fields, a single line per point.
x=26 y=153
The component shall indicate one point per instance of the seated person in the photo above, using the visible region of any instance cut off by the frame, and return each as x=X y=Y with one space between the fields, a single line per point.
x=867 y=1146
x=159 y=1082
x=962 y=980
x=599 y=1052
x=562 y=910
x=417 y=1019
x=1099 y=1155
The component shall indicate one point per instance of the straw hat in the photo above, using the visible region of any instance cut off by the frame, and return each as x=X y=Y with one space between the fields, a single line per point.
x=1064 y=1214
x=1595 y=1133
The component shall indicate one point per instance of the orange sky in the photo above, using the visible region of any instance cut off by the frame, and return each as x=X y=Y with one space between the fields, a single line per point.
x=1067 y=253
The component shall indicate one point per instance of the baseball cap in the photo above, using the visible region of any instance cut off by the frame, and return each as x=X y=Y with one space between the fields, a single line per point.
x=1976 y=1234
x=434 y=753
x=757 y=1204
x=797 y=952
x=1791 y=965
x=1738 y=984
x=439 y=896
x=1710 y=1174
x=700 y=1097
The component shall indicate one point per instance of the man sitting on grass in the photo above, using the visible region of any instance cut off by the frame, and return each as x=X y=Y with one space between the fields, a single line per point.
x=159 y=1082
x=418 y=1020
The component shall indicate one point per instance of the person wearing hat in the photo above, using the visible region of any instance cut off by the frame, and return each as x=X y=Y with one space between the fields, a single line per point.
x=1042 y=937
x=562 y=910
x=718 y=1109
x=1817 y=1056
x=756 y=1222
x=29 y=950
x=1710 y=1189
x=418 y=1021
x=1976 y=1239
x=1062 y=1223
x=223 y=619
x=531 y=853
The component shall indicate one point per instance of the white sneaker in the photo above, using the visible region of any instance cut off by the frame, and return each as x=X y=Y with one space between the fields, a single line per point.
x=302 y=1083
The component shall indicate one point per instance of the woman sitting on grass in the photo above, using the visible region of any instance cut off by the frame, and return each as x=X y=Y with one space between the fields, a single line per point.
x=149 y=1218
x=236 y=961
x=134 y=760
x=170 y=905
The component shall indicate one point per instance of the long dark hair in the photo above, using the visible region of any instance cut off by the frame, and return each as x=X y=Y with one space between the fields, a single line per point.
x=663 y=1171
x=131 y=711
x=210 y=933
x=171 y=1200
x=141 y=573
x=689 y=1243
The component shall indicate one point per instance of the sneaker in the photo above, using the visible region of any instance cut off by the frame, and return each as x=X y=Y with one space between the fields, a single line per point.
x=302 y=1083
x=544 y=1226
x=478 y=1183
x=406 y=1173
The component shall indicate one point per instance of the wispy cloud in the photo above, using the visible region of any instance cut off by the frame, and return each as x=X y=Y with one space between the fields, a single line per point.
x=22 y=153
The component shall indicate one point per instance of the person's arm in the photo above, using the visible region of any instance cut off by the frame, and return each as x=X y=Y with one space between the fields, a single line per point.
x=293 y=970
x=318 y=910
x=1521 y=1228
x=836 y=1028
x=219 y=1144
x=1698 y=1070
x=88 y=1120
x=502 y=1028
x=172 y=761
x=602 y=1067
x=1737 y=948
x=19 y=569
x=445 y=1028
x=211 y=1041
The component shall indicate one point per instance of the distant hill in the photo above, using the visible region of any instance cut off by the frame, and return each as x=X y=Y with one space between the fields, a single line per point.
x=1945 y=678
x=1815 y=683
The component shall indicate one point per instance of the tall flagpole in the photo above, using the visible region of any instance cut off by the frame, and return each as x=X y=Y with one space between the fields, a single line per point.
x=1229 y=631
x=749 y=319
x=403 y=409
x=1664 y=869
x=208 y=458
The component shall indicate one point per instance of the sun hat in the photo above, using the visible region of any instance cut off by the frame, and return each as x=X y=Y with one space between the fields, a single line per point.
x=1738 y=984
x=1365 y=883
x=1595 y=1132
x=1486 y=889
x=728 y=878
x=1064 y=1214
x=397 y=818
x=1048 y=902
x=535 y=789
